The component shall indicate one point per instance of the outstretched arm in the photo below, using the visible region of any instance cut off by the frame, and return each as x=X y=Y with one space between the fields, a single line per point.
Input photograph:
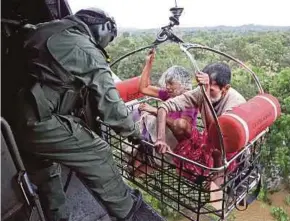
x=160 y=144
x=162 y=120
x=110 y=106
x=189 y=99
x=144 y=84
x=88 y=64
x=153 y=110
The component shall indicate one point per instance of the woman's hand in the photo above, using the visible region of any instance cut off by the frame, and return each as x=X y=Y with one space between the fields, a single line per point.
x=150 y=57
x=162 y=146
x=148 y=108
x=145 y=86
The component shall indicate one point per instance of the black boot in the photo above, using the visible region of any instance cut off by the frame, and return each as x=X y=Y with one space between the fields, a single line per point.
x=56 y=215
x=141 y=211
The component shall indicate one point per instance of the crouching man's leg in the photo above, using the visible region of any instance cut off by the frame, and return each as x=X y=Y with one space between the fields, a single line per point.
x=181 y=129
x=64 y=141
x=46 y=175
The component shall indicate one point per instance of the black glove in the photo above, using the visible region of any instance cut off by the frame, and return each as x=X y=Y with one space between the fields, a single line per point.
x=134 y=139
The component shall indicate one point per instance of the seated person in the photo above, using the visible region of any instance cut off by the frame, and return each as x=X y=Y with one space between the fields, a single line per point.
x=176 y=80
x=179 y=124
x=216 y=78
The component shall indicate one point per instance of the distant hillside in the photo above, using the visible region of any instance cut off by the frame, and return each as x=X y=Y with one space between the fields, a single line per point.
x=243 y=28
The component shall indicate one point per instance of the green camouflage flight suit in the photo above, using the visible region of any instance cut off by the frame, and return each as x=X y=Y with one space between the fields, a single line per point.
x=61 y=138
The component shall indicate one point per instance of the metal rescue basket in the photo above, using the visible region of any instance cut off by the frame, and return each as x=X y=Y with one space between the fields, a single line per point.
x=195 y=198
x=193 y=195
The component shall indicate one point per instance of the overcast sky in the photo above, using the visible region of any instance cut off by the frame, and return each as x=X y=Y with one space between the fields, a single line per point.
x=197 y=13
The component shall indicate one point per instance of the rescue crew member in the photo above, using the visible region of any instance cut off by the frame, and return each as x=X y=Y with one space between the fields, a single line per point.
x=70 y=77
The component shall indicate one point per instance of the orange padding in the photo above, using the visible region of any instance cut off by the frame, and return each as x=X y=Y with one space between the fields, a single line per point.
x=246 y=121
x=129 y=89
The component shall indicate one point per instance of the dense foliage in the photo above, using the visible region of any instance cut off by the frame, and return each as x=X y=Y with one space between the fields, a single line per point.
x=266 y=53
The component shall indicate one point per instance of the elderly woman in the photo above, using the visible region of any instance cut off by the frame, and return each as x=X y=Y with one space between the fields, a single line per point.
x=175 y=81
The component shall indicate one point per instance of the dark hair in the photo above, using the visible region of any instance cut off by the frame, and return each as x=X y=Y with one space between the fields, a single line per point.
x=219 y=72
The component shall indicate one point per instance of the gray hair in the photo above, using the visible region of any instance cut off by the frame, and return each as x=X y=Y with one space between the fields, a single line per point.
x=179 y=74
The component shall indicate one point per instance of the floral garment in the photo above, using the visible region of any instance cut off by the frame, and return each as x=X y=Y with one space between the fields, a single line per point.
x=200 y=150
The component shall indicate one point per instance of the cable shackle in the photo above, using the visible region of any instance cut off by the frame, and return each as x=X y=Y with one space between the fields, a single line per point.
x=164 y=35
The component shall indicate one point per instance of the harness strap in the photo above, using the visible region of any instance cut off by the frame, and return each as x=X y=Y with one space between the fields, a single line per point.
x=41 y=102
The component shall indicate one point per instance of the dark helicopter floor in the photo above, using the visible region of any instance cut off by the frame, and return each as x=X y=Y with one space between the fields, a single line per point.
x=81 y=205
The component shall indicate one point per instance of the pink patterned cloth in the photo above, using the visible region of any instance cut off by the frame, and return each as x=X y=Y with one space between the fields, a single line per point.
x=197 y=149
